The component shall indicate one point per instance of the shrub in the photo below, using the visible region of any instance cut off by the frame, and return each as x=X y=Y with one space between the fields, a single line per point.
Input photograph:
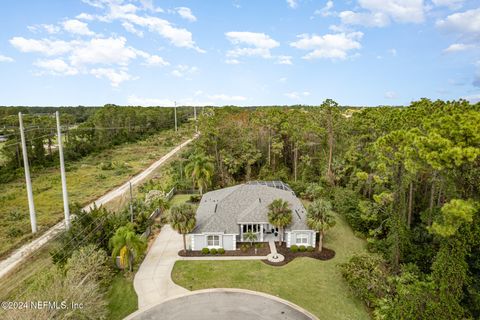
x=194 y=198
x=221 y=251
x=213 y=251
x=205 y=251
x=310 y=249
x=243 y=247
x=294 y=248
x=367 y=277
x=302 y=248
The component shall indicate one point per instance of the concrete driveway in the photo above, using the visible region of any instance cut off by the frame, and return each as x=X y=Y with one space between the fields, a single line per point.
x=153 y=282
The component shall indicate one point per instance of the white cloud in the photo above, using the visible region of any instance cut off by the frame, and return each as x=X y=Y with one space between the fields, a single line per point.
x=328 y=46
x=368 y=19
x=200 y=99
x=292 y=3
x=116 y=77
x=257 y=44
x=56 y=67
x=283 y=79
x=380 y=12
x=457 y=47
x=77 y=27
x=452 y=4
x=134 y=100
x=393 y=52
x=49 y=28
x=232 y=61
x=131 y=28
x=284 y=60
x=186 y=14
x=390 y=95
x=117 y=10
x=103 y=51
x=474 y=98
x=44 y=46
x=5 y=59
x=183 y=70
x=464 y=23
x=155 y=60
x=85 y=16
x=297 y=95
x=326 y=10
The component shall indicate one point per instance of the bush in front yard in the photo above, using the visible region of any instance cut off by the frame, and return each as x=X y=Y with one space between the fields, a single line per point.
x=302 y=248
x=221 y=251
x=205 y=251
x=293 y=248
x=310 y=249
x=213 y=251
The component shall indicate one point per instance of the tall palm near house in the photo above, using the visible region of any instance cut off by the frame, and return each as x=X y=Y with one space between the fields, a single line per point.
x=320 y=217
x=182 y=219
x=200 y=170
x=128 y=245
x=279 y=215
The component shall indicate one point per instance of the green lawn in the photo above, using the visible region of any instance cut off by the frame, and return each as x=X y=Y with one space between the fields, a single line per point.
x=315 y=285
x=179 y=199
x=87 y=180
x=122 y=299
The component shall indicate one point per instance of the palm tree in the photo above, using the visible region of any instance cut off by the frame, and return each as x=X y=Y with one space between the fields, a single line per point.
x=279 y=215
x=128 y=245
x=320 y=217
x=200 y=170
x=182 y=219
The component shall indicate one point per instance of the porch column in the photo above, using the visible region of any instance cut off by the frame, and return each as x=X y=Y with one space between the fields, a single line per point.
x=261 y=233
x=241 y=232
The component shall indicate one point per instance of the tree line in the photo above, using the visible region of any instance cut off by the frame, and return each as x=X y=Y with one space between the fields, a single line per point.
x=407 y=179
x=85 y=131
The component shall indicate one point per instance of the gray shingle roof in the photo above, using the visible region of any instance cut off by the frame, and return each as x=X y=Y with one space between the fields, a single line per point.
x=222 y=210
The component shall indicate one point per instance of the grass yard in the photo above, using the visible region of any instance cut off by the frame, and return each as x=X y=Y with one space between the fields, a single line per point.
x=179 y=199
x=87 y=180
x=122 y=299
x=315 y=285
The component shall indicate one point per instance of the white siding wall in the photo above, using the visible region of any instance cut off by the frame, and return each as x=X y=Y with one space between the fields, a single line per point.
x=295 y=233
x=229 y=242
x=199 y=241
x=289 y=239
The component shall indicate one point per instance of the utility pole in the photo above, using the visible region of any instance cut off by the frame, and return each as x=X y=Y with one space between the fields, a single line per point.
x=62 y=173
x=175 y=109
x=195 y=116
x=31 y=205
x=131 y=203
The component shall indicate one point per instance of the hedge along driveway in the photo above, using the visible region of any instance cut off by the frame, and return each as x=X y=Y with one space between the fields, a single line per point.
x=315 y=285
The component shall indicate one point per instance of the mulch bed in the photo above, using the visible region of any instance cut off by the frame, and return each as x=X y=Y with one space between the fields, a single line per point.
x=326 y=254
x=248 y=251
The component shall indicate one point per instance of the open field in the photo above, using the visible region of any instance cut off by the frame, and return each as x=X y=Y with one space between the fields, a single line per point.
x=87 y=179
x=314 y=285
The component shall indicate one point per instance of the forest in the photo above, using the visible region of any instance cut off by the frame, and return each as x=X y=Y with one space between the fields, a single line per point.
x=86 y=130
x=407 y=180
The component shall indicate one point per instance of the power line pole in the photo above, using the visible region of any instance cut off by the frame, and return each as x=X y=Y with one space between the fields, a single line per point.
x=195 y=116
x=31 y=205
x=66 y=209
x=175 y=109
x=131 y=203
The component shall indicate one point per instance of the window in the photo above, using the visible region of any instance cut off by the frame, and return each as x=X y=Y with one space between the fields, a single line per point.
x=213 y=241
x=302 y=238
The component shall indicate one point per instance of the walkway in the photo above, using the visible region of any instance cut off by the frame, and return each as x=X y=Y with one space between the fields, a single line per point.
x=23 y=252
x=153 y=282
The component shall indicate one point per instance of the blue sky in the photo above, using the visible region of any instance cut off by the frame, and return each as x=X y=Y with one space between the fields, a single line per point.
x=243 y=52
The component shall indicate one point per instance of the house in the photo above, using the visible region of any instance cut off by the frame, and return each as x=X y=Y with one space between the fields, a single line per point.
x=225 y=215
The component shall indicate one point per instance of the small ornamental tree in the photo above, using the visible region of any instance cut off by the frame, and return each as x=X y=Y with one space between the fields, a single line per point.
x=320 y=217
x=279 y=215
x=182 y=219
